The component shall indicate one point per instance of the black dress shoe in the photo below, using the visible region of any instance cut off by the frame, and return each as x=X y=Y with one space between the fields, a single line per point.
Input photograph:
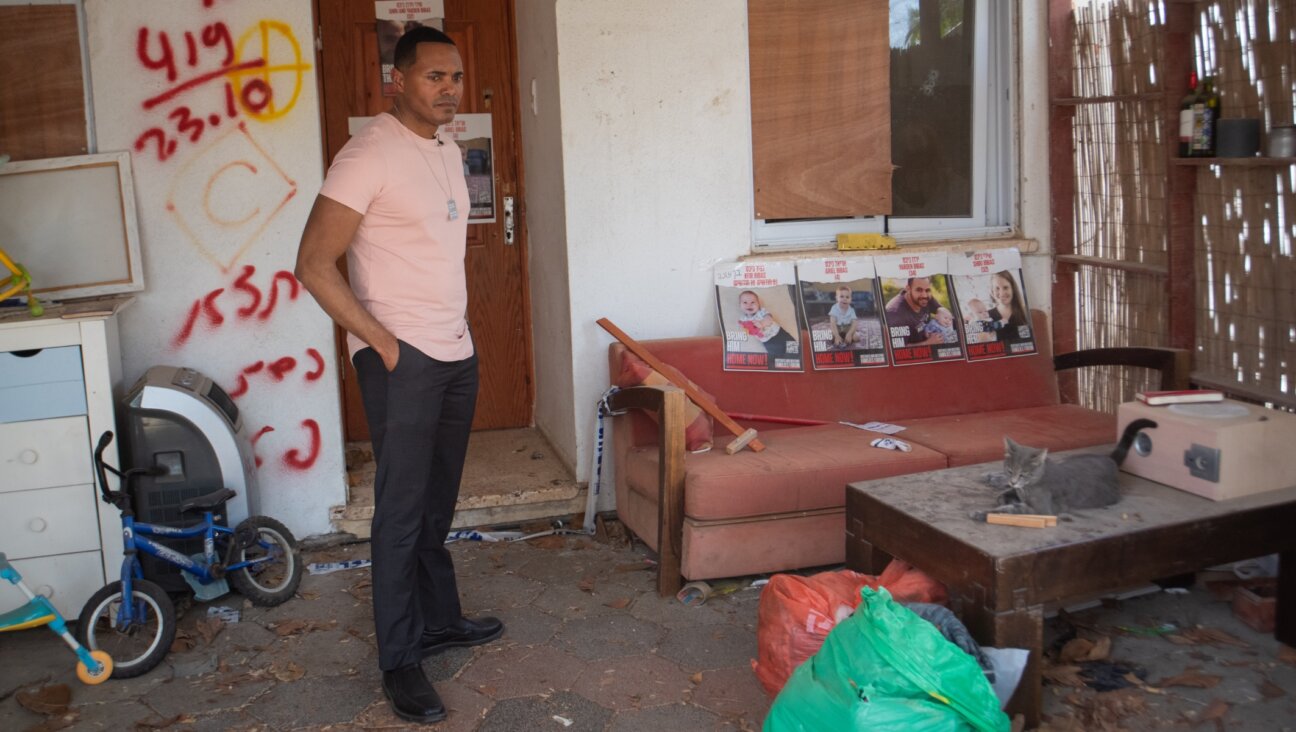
x=411 y=695
x=463 y=632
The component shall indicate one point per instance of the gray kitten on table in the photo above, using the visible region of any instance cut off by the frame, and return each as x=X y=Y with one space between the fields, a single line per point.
x=1031 y=483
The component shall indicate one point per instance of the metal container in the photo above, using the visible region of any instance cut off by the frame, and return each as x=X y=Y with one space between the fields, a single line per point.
x=1237 y=138
x=1282 y=142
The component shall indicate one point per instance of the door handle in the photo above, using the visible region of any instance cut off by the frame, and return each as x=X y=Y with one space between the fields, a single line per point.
x=508 y=220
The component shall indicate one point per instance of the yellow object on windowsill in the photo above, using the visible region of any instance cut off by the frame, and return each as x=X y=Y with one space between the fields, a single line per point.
x=17 y=283
x=846 y=242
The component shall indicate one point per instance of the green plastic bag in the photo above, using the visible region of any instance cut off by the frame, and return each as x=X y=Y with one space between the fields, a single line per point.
x=885 y=668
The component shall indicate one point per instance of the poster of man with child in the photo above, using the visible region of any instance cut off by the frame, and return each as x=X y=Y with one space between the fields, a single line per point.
x=918 y=310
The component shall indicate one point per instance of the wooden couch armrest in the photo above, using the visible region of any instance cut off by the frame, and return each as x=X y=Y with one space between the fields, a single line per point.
x=668 y=404
x=1173 y=363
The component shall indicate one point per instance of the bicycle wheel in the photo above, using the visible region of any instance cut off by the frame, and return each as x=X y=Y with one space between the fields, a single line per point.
x=141 y=646
x=273 y=581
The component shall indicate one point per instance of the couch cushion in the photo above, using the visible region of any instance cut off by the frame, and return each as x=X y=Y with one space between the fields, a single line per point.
x=968 y=439
x=800 y=469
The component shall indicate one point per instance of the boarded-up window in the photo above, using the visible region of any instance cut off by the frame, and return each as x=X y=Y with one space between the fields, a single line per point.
x=42 y=98
x=821 y=117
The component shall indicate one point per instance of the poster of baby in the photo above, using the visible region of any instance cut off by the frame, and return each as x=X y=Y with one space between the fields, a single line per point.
x=995 y=317
x=841 y=312
x=918 y=311
x=756 y=302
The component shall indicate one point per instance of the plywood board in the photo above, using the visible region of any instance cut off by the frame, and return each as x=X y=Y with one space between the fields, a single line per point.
x=821 y=111
x=71 y=222
x=42 y=99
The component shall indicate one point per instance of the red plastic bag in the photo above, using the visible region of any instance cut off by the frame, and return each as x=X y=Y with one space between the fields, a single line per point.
x=797 y=612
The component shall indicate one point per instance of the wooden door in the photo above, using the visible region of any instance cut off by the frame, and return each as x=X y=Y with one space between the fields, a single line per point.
x=498 y=300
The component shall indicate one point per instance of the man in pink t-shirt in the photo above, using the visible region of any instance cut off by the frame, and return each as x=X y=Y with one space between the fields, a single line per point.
x=396 y=203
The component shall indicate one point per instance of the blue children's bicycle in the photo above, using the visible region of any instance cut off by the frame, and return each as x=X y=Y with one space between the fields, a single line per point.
x=93 y=667
x=259 y=558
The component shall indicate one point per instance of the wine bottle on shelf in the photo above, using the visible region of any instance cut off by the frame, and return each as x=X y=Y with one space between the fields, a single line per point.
x=1205 y=117
x=1186 y=117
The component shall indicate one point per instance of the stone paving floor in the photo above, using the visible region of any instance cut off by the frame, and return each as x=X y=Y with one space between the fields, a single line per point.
x=589 y=646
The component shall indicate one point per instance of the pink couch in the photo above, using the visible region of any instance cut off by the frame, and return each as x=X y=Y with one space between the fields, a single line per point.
x=783 y=508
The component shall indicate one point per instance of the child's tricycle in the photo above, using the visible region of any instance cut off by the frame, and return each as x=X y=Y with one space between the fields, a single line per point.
x=94 y=667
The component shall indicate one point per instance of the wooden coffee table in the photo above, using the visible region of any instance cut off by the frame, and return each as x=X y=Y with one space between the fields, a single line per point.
x=1000 y=577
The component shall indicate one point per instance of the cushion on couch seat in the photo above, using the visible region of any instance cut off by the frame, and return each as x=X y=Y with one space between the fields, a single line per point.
x=968 y=439
x=801 y=469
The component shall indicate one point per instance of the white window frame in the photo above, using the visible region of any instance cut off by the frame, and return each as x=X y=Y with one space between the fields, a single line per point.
x=993 y=160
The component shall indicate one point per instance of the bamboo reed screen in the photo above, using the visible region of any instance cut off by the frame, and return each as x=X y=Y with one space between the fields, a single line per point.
x=1121 y=203
x=1244 y=212
x=1245 y=271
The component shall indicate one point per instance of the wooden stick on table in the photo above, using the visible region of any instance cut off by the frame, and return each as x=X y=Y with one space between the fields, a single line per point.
x=698 y=397
x=1028 y=520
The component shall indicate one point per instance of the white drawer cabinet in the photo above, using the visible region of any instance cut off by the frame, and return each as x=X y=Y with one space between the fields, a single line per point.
x=57 y=379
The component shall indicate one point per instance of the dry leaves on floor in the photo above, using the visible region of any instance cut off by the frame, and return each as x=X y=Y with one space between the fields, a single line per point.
x=618 y=604
x=1065 y=675
x=553 y=541
x=1191 y=678
x=1287 y=654
x=1103 y=712
x=148 y=724
x=1209 y=636
x=1270 y=690
x=1082 y=649
x=297 y=626
x=1214 y=711
x=49 y=700
x=286 y=671
x=586 y=584
x=361 y=590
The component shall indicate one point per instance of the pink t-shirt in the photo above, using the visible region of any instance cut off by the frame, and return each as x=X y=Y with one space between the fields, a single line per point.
x=406 y=262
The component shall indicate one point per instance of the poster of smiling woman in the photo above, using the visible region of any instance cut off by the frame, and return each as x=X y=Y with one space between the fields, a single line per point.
x=756 y=302
x=996 y=320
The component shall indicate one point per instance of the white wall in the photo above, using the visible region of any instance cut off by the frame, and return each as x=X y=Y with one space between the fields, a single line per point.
x=656 y=170
x=657 y=152
x=546 y=224
x=221 y=209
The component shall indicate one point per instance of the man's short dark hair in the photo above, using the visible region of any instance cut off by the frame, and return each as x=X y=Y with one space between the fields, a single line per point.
x=407 y=46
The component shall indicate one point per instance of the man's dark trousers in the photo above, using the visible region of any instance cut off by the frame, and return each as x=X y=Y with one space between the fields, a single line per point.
x=419 y=418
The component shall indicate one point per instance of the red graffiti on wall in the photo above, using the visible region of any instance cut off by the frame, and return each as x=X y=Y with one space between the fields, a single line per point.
x=255 y=438
x=277 y=370
x=295 y=459
x=209 y=56
x=207 y=310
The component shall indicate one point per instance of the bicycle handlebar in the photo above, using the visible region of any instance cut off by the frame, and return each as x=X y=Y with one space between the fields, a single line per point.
x=100 y=466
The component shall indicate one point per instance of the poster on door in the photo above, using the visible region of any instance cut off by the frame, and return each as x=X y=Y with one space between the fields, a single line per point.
x=841 y=311
x=472 y=133
x=995 y=318
x=394 y=19
x=919 y=312
x=756 y=302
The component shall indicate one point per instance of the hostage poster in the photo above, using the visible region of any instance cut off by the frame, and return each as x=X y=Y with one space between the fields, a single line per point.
x=995 y=316
x=756 y=303
x=841 y=310
x=472 y=133
x=394 y=19
x=918 y=311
